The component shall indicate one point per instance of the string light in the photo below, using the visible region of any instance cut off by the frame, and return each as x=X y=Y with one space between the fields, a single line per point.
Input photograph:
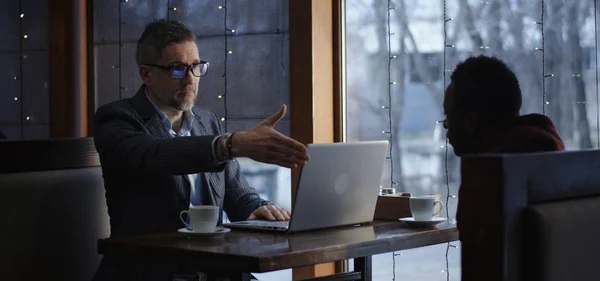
x=445 y=146
x=541 y=24
x=27 y=118
x=121 y=23
x=391 y=57
x=226 y=33
x=597 y=78
x=16 y=98
x=20 y=74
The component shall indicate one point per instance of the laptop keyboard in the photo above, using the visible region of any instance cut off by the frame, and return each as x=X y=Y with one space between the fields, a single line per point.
x=270 y=223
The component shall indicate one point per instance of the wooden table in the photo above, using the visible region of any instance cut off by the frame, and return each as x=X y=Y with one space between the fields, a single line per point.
x=245 y=251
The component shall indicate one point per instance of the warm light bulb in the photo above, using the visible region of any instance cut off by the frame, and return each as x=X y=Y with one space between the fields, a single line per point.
x=230 y=52
x=22 y=15
x=27 y=118
x=220 y=96
x=16 y=98
x=220 y=7
x=222 y=119
x=25 y=36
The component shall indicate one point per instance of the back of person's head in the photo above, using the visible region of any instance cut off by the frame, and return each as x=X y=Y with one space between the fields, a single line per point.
x=485 y=86
x=157 y=36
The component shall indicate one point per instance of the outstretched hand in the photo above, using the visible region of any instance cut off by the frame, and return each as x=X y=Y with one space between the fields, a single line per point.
x=264 y=144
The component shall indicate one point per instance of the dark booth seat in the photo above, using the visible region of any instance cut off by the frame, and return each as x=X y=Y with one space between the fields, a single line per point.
x=52 y=210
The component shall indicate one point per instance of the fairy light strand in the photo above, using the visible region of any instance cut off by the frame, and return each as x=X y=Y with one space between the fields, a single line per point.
x=20 y=78
x=169 y=9
x=391 y=146
x=446 y=46
x=389 y=110
x=122 y=2
x=227 y=52
x=543 y=50
x=597 y=97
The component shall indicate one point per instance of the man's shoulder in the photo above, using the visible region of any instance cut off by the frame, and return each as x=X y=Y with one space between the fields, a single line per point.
x=204 y=114
x=119 y=107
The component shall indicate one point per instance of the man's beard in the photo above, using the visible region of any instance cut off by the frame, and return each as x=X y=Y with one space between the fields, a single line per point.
x=183 y=104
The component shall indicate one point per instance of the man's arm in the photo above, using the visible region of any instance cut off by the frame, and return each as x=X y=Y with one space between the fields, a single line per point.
x=122 y=144
x=240 y=199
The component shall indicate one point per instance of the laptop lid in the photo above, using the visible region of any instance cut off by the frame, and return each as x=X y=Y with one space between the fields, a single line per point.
x=339 y=185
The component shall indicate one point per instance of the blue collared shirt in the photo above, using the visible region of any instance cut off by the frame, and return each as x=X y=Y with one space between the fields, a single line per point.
x=185 y=131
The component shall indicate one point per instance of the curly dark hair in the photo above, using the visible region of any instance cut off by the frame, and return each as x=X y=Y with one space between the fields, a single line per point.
x=487 y=87
x=157 y=36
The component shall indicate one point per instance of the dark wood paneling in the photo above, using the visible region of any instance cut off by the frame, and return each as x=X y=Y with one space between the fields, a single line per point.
x=203 y=17
x=35 y=88
x=258 y=72
x=257 y=16
x=34 y=24
x=68 y=78
x=10 y=109
x=9 y=25
x=249 y=251
x=41 y=155
x=91 y=66
x=338 y=77
x=107 y=74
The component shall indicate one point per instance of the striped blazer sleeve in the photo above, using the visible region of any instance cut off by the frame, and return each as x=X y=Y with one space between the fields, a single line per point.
x=124 y=142
x=240 y=199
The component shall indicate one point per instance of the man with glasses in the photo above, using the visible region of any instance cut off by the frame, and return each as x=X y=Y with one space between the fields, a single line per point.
x=160 y=154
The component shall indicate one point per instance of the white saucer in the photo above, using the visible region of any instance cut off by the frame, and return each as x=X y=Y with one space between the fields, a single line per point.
x=430 y=223
x=218 y=232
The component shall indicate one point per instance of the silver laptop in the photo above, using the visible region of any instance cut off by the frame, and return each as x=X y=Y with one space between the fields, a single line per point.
x=338 y=186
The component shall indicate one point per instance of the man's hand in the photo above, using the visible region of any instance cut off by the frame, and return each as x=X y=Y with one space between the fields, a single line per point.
x=262 y=143
x=271 y=213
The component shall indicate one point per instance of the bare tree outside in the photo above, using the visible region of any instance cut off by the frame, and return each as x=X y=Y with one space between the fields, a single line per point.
x=559 y=81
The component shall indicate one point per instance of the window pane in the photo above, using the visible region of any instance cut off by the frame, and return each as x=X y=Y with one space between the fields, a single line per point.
x=410 y=74
x=407 y=76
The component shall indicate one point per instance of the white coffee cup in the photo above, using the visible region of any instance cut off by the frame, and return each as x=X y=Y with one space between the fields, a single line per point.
x=423 y=207
x=203 y=218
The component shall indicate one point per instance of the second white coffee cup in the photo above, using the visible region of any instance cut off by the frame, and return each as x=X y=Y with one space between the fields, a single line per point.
x=423 y=207
x=203 y=218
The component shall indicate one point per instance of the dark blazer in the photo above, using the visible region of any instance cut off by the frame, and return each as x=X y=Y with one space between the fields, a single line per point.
x=144 y=177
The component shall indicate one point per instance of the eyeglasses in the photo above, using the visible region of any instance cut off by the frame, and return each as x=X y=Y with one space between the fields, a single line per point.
x=180 y=71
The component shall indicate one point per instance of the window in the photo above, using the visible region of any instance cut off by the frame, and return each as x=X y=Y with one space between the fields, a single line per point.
x=406 y=62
